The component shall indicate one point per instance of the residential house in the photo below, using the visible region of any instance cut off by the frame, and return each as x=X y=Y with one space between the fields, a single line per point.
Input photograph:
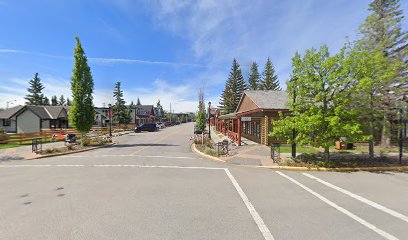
x=26 y=119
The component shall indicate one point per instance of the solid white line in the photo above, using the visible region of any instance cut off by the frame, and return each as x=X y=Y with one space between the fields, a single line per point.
x=124 y=155
x=149 y=166
x=346 y=212
x=258 y=220
x=361 y=199
x=41 y=165
x=110 y=165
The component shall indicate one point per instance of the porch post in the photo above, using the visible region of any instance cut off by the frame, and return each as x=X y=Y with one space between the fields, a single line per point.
x=239 y=131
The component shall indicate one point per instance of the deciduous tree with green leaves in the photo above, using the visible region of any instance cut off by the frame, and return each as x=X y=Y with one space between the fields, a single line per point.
x=82 y=112
x=269 y=79
x=372 y=71
x=254 y=77
x=35 y=95
x=320 y=115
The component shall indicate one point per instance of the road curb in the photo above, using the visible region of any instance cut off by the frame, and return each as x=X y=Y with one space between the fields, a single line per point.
x=346 y=169
x=72 y=152
x=193 y=147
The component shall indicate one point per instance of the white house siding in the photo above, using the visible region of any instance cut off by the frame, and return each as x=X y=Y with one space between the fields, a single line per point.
x=28 y=122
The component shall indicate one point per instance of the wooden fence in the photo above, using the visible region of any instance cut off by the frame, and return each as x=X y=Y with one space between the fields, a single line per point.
x=54 y=134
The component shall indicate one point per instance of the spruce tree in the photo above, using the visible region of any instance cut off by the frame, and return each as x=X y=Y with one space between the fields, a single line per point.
x=254 y=77
x=68 y=102
x=61 y=100
x=46 y=101
x=234 y=88
x=269 y=79
x=120 y=112
x=82 y=112
x=382 y=31
x=54 y=101
x=138 y=102
x=35 y=95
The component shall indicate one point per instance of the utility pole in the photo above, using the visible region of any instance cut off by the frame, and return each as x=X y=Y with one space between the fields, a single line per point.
x=170 y=113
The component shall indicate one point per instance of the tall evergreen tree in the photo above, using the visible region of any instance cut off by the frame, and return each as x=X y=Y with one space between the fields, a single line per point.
x=120 y=112
x=382 y=31
x=61 y=100
x=269 y=79
x=35 y=95
x=234 y=88
x=138 y=102
x=45 y=102
x=54 y=100
x=68 y=102
x=254 y=77
x=82 y=112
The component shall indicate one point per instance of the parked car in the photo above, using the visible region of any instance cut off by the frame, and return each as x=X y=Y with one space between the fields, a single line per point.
x=184 y=121
x=177 y=123
x=168 y=124
x=150 y=127
x=160 y=125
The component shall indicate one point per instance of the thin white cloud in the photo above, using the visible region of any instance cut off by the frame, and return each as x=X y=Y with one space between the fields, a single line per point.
x=101 y=60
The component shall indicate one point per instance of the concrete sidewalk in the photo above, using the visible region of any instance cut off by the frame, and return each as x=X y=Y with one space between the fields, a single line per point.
x=249 y=153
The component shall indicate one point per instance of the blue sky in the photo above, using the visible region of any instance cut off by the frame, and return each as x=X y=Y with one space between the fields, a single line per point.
x=163 y=49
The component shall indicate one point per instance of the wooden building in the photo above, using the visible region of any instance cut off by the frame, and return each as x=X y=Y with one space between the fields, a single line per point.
x=253 y=117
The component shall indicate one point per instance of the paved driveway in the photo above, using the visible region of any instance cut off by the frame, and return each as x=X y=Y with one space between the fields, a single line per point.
x=151 y=186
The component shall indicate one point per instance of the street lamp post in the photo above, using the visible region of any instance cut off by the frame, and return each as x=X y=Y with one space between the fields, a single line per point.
x=110 y=119
x=209 y=118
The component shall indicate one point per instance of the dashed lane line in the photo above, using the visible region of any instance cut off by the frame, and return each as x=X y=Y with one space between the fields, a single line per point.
x=361 y=199
x=342 y=210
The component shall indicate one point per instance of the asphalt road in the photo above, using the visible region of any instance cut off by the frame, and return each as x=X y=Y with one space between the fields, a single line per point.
x=152 y=186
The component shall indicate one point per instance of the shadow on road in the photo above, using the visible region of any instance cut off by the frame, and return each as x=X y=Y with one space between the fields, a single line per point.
x=143 y=145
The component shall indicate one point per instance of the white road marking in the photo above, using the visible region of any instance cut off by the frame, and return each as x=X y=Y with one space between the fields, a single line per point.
x=258 y=220
x=346 y=212
x=150 y=166
x=361 y=199
x=41 y=165
x=107 y=165
x=125 y=155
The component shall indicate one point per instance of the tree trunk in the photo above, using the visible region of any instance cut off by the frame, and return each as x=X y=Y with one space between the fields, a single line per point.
x=385 y=134
x=82 y=140
x=371 y=125
x=326 y=153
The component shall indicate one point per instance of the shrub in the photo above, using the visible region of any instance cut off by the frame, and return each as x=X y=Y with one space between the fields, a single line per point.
x=86 y=141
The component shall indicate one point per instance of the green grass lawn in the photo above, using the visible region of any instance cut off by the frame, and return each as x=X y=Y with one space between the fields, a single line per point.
x=287 y=148
x=364 y=149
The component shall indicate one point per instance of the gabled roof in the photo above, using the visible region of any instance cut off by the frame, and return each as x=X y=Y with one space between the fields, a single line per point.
x=267 y=99
x=145 y=109
x=10 y=112
x=43 y=112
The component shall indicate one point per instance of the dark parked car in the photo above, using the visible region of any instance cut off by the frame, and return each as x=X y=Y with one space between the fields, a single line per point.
x=150 y=127
x=177 y=123
x=168 y=124
x=184 y=121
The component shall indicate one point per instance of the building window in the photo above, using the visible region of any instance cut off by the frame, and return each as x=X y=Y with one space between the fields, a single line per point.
x=6 y=122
